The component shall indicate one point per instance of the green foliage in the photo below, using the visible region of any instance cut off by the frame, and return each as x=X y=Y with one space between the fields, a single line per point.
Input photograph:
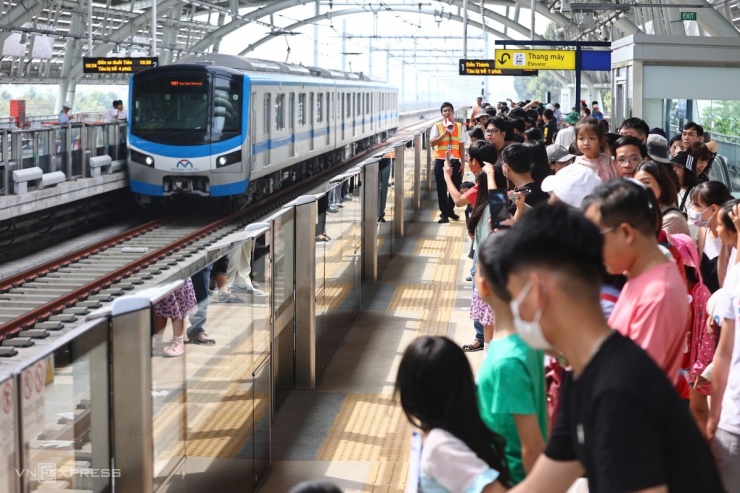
x=722 y=117
x=42 y=102
x=537 y=87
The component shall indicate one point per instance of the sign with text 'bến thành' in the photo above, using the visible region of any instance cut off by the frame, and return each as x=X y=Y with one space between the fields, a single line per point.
x=488 y=67
x=536 y=59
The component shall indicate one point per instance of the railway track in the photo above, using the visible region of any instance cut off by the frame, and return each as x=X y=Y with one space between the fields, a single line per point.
x=64 y=290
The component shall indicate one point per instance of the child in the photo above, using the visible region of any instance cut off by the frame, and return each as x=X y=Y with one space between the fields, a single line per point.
x=177 y=305
x=590 y=140
x=437 y=393
x=511 y=381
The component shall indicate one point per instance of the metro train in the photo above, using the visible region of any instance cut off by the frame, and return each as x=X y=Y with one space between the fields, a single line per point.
x=228 y=126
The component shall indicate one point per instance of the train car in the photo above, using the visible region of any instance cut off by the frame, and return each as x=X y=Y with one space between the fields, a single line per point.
x=227 y=126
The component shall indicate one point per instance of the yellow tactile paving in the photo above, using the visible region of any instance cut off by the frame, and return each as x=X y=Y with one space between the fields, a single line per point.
x=336 y=292
x=372 y=427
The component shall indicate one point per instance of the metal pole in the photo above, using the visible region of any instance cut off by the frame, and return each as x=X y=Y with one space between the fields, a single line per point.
x=399 y=189
x=344 y=45
x=532 y=8
x=89 y=28
x=370 y=223
x=465 y=28
x=154 y=27
x=578 y=78
x=316 y=38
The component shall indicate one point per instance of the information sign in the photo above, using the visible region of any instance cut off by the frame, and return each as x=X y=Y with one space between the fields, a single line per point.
x=488 y=67
x=688 y=16
x=536 y=59
x=117 y=65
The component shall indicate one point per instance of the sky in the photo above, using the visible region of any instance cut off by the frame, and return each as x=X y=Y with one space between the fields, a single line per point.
x=427 y=80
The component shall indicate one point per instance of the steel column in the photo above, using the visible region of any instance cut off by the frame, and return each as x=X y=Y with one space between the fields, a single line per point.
x=417 y=172
x=399 y=214
x=370 y=222
x=305 y=292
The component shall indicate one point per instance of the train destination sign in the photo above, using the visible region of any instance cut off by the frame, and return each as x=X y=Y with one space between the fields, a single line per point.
x=536 y=59
x=117 y=65
x=488 y=67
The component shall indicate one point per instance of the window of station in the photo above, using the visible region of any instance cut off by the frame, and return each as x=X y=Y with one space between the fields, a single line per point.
x=320 y=108
x=302 y=109
x=280 y=111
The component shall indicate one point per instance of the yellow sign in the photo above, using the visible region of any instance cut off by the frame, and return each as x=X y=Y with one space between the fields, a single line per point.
x=536 y=59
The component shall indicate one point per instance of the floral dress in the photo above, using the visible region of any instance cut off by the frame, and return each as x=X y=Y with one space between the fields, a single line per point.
x=179 y=303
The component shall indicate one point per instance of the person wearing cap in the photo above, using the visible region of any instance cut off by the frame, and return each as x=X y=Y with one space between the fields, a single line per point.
x=64 y=116
x=558 y=157
x=567 y=136
x=571 y=185
x=629 y=153
x=595 y=113
x=684 y=165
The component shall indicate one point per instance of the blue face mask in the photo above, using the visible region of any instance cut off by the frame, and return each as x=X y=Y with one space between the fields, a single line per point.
x=529 y=332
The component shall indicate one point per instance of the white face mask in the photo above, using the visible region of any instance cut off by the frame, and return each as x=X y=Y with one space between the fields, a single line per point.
x=695 y=217
x=529 y=332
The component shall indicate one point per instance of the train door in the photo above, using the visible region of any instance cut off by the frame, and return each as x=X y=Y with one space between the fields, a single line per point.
x=329 y=116
x=264 y=143
x=311 y=119
x=342 y=120
x=291 y=126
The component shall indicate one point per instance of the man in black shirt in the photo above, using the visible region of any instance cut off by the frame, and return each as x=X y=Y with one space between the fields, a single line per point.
x=550 y=128
x=517 y=168
x=620 y=420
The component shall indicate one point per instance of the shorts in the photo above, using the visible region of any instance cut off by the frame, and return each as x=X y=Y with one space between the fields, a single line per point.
x=726 y=450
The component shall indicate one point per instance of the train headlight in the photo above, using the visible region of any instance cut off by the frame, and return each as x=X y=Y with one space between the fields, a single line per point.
x=141 y=158
x=230 y=158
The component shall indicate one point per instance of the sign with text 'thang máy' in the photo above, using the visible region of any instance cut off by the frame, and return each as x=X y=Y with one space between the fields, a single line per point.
x=536 y=59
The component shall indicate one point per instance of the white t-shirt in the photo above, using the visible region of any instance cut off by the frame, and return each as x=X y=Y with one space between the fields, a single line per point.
x=566 y=136
x=712 y=246
x=123 y=114
x=730 y=309
x=111 y=115
x=449 y=466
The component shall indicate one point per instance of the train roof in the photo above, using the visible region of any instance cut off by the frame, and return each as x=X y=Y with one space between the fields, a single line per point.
x=269 y=66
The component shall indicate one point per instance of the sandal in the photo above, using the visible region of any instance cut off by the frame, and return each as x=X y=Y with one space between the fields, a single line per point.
x=323 y=237
x=475 y=346
x=228 y=298
x=202 y=339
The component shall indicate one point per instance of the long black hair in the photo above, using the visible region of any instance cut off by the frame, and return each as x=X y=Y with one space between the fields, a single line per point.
x=437 y=390
x=538 y=158
x=481 y=199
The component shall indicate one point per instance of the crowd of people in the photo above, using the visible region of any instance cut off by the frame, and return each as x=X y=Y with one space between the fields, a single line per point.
x=605 y=296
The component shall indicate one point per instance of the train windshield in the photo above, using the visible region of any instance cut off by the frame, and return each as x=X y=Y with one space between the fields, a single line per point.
x=186 y=109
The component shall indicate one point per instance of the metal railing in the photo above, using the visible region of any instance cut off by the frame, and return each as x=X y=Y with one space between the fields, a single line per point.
x=59 y=148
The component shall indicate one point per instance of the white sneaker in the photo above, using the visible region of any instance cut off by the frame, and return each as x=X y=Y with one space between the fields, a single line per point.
x=157 y=349
x=176 y=348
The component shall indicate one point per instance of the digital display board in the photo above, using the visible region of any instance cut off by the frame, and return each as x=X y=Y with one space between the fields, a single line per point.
x=117 y=65
x=488 y=67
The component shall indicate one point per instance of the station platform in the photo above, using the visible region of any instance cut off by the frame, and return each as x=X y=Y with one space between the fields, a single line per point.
x=351 y=430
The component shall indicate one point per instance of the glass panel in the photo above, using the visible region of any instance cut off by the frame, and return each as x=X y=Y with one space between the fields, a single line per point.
x=9 y=480
x=283 y=253
x=279 y=111
x=385 y=211
x=302 y=109
x=64 y=412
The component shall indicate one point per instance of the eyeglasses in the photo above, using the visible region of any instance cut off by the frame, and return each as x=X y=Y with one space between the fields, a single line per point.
x=607 y=230
x=631 y=159
x=492 y=130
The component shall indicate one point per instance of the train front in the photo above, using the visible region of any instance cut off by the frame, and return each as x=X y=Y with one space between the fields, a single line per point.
x=188 y=131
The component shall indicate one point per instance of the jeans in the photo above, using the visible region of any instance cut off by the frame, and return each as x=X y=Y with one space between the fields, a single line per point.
x=201 y=281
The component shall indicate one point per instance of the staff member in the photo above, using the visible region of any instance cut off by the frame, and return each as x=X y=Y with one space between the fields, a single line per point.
x=447 y=142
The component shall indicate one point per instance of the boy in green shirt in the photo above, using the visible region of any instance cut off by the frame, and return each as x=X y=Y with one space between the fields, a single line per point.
x=511 y=381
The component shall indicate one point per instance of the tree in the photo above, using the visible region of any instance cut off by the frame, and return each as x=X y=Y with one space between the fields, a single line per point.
x=537 y=87
x=722 y=117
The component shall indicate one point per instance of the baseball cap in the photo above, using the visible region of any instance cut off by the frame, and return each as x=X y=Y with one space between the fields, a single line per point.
x=685 y=160
x=67 y=104
x=572 y=184
x=572 y=118
x=558 y=153
x=549 y=106
x=657 y=148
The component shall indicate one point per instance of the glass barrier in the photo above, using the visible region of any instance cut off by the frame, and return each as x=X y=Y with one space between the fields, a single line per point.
x=283 y=256
x=9 y=477
x=338 y=270
x=408 y=182
x=386 y=194
x=64 y=412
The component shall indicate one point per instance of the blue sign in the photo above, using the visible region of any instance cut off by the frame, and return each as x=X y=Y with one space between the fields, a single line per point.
x=596 y=60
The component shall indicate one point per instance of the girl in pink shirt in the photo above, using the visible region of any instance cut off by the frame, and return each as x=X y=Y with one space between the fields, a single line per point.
x=590 y=140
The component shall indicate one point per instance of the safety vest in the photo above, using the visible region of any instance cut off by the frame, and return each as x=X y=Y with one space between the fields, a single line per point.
x=450 y=143
x=474 y=114
x=390 y=155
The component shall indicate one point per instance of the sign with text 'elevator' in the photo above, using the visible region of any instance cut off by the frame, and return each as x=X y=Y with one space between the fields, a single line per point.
x=536 y=59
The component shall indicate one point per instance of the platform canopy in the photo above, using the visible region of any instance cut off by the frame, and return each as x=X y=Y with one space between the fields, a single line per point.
x=44 y=41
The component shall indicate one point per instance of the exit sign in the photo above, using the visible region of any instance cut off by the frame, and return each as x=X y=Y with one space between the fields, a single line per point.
x=688 y=16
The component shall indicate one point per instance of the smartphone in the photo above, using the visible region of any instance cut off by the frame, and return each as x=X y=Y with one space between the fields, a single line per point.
x=448 y=156
x=497 y=206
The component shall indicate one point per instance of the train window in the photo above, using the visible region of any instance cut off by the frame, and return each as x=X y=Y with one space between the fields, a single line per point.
x=266 y=114
x=358 y=106
x=331 y=107
x=280 y=111
x=320 y=108
x=367 y=104
x=349 y=106
x=302 y=109
x=227 y=108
